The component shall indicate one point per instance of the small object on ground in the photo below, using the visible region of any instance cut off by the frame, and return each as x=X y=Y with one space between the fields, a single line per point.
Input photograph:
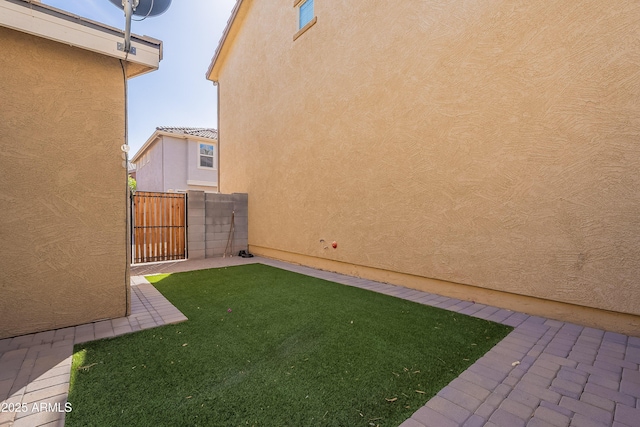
x=516 y=363
x=245 y=254
x=86 y=367
x=228 y=310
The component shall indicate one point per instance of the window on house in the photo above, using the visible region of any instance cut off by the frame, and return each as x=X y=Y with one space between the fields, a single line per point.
x=306 y=13
x=206 y=156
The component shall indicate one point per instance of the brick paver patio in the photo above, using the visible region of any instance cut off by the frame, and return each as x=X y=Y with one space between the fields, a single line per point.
x=544 y=373
x=35 y=369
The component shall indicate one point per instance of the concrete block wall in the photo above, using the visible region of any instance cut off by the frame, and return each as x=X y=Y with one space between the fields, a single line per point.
x=210 y=224
x=195 y=224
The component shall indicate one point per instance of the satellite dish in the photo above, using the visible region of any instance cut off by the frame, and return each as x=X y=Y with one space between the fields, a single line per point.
x=145 y=7
x=142 y=8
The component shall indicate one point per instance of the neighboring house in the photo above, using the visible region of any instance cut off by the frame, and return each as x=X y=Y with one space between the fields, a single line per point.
x=63 y=193
x=132 y=170
x=483 y=150
x=178 y=159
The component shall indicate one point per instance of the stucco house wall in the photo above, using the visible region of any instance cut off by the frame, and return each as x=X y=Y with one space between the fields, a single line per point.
x=481 y=149
x=63 y=200
x=149 y=169
x=194 y=172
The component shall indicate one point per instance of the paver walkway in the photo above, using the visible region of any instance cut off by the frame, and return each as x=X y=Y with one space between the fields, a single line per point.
x=544 y=373
x=35 y=369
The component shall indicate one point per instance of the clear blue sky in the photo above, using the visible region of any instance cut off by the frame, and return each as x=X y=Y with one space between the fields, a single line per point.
x=177 y=94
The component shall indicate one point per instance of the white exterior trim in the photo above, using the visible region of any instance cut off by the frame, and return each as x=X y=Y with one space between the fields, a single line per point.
x=33 y=19
x=213 y=156
x=202 y=183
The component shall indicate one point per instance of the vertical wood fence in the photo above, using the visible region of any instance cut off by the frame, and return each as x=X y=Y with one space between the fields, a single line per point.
x=158 y=226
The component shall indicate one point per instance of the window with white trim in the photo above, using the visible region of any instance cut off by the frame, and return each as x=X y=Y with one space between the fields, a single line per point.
x=206 y=156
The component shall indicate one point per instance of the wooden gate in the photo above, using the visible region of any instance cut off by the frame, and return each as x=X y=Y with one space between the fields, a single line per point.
x=158 y=226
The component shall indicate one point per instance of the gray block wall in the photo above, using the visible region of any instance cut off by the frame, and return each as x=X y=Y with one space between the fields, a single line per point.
x=210 y=232
x=195 y=224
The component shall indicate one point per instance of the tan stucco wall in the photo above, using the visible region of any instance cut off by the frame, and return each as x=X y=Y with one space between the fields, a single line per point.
x=62 y=186
x=491 y=144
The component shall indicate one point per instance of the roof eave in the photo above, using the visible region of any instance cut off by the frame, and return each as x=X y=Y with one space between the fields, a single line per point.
x=158 y=133
x=146 y=145
x=237 y=14
x=61 y=26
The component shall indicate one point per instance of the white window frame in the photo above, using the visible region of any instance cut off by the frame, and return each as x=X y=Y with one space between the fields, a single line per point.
x=213 y=156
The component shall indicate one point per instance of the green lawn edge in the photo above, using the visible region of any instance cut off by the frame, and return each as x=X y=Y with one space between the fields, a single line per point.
x=292 y=350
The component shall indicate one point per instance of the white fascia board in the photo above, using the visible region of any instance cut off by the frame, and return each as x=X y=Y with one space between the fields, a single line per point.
x=33 y=21
x=197 y=138
x=144 y=147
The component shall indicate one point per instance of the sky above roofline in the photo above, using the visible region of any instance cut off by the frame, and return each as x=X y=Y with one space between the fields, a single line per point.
x=178 y=93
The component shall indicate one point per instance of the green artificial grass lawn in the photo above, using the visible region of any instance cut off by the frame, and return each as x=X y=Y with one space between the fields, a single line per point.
x=293 y=350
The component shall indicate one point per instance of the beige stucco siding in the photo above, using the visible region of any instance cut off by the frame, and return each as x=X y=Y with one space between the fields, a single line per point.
x=62 y=186
x=492 y=144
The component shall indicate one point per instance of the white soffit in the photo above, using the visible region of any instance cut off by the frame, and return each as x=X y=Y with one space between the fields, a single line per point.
x=43 y=22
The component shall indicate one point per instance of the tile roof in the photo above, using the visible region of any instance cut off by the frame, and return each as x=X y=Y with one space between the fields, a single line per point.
x=201 y=132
